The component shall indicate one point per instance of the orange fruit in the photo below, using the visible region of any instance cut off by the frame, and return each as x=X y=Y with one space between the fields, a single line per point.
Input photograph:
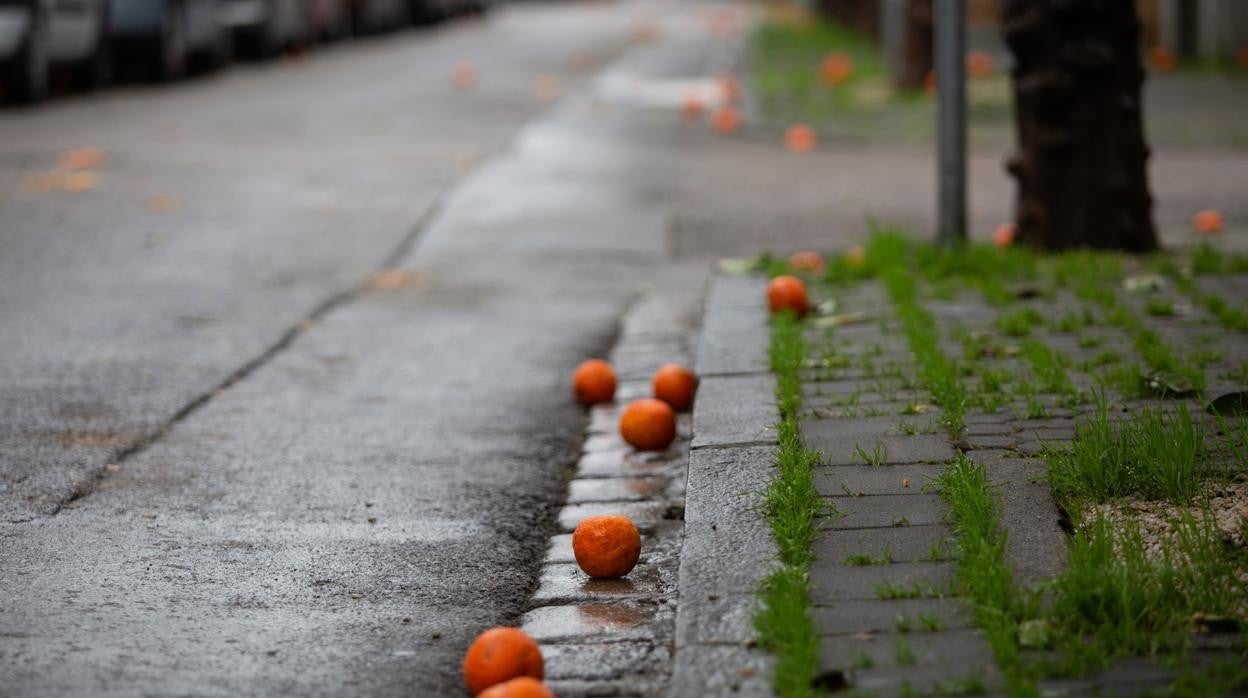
x=1207 y=222
x=606 y=547
x=593 y=382
x=523 y=687
x=1003 y=236
x=800 y=139
x=979 y=64
x=726 y=120
x=787 y=293
x=463 y=75
x=1162 y=59
x=836 y=68
x=648 y=424
x=729 y=87
x=807 y=261
x=675 y=385
x=691 y=107
x=498 y=655
x=856 y=256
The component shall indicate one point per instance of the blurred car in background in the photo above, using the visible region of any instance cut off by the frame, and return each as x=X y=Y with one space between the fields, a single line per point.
x=374 y=16
x=264 y=28
x=167 y=35
x=38 y=34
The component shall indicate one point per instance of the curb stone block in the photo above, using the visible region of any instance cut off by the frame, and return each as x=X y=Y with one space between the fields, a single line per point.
x=603 y=661
x=734 y=410
x=645 y=514
x=714 y=670
x=566 y=583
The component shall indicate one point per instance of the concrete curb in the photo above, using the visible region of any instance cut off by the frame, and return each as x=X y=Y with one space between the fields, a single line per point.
x=728 y=547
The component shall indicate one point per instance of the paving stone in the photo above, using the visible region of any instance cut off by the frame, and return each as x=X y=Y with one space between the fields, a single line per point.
x=835 y=582
x=728 y=546
x=604 y=661
x=736 y=292
x=957 y=650
x=624 y=463
x=645 y=514
x=927 y=679
x=615 y=489
x=564 y=582
x=855 y=480
x=607 y=442
x=988 y=429
x=885 y=510
x=1035 y=545
x=632 y=687
x=992 y=441
x=640 y=361
x=1127 y=677
x=591 y=622
x=906 y=544
x=734 y=410
x=733 y=343
x=869 y=397
x=604 y=419
x=878 y=615
x=721 y=670
x=839 y=440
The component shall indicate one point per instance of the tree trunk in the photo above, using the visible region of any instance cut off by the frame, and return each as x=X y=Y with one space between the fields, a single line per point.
x=1081 y=159
x=918 y=61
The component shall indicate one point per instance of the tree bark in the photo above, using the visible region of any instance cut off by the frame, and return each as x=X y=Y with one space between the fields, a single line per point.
x=918 y=62
x=1081 y=158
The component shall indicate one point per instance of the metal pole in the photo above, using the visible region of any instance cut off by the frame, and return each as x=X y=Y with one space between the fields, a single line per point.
x=950 y=63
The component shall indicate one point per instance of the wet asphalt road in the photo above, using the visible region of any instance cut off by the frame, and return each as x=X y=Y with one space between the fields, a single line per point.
x=230 y=464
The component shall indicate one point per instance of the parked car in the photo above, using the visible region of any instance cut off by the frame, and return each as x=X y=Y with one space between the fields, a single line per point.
x=373 y=16
x=38 y=34
x=265 y=27
x=168 y=35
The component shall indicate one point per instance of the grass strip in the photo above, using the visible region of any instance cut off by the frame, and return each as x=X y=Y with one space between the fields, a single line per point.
x=936 y=370
x=792 y=507
x=983 y=574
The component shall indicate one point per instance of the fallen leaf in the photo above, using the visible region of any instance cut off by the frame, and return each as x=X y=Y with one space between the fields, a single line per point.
x=1035 y=634
x=391 y=279
x=1144 y=283
x=82 y=159
x=839 y=320
x=905 y=482
x=546 y=87
x=77 y=182
x=356 y=595
x=1167 y=384
x=162 y=203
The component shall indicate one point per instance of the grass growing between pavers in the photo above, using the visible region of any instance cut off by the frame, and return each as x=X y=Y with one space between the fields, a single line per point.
x=786 y=51
x=783 y=620
x=1153 y=568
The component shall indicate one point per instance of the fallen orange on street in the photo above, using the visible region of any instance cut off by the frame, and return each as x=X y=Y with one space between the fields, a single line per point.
x=606 y=547
x=1162 y=59
x=836 y=68
x=807 y=261
x=1003 y=236
x=648 y=425
x=787 y=293
x=464 y=75
x=498 y=655
x=675 y=385
x=593 y=382
x=1207 y=222
x=691 y=107
x=726 y=120
x=800 y=139
x=82 y=159
x=523 y=687
x=979 y=65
